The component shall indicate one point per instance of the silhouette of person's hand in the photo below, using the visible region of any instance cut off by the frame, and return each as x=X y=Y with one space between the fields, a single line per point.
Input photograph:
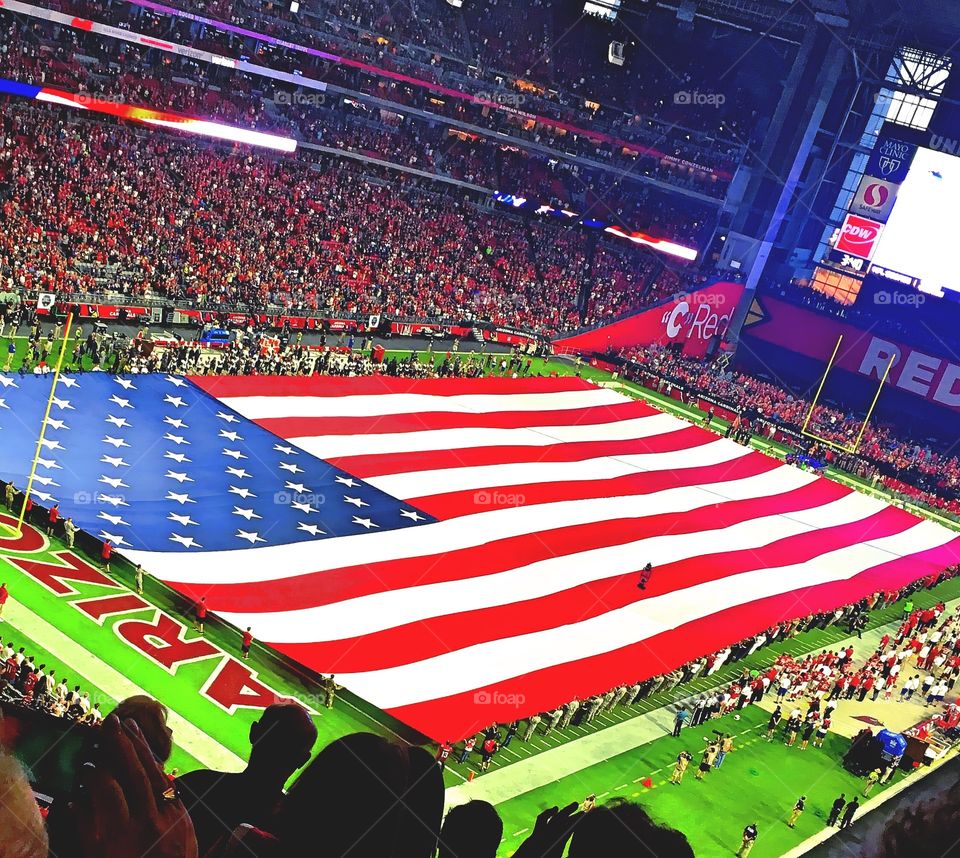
x=126 y=805
x=550 y=833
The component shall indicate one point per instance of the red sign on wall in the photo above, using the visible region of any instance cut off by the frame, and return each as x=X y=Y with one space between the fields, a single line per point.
x=859 y=236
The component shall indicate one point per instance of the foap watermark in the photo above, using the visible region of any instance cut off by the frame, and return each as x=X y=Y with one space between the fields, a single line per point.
x=98 y=498
x=695 y=98
x=714 y=299
x=291 y=497
x=899 y=299
x=506 y=99
x=300 y=99
x=498 y=698
x=499 y=499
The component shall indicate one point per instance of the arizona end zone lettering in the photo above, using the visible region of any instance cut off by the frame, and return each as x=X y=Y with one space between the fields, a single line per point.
x=158 y=637
x=924 y=375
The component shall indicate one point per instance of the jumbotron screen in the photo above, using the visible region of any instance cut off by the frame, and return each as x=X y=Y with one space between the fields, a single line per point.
x=919 y=239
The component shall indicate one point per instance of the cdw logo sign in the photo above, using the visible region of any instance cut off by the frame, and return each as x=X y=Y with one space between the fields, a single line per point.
x=859 y=236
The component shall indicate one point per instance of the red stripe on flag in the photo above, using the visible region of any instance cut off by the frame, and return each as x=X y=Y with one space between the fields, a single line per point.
x=349 y=582
x=434 y=636
x=302 y=427
x=222 y=386
x=382 y=464
x=459 y=715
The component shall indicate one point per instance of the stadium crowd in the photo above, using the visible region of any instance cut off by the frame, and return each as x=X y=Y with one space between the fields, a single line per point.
x=91 y=208
x=908 y=468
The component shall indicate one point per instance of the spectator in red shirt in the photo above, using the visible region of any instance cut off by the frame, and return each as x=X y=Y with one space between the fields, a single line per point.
x=52 y=518
x=105 y=553
x=200 y=613
x=245 y=644
x=4 y=595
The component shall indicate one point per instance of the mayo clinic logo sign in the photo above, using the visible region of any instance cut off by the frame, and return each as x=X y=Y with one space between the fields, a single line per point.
x=891 y=160
x=874 y=198
x=858 y=236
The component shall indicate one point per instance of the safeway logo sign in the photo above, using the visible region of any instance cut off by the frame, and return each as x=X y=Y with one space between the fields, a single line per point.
x=874 y=198
x=859 y=236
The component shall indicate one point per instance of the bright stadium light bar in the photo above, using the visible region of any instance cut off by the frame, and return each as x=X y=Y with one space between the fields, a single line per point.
x=149 y=116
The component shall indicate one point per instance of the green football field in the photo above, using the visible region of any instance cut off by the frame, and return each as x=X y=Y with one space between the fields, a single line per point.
x=85 y=627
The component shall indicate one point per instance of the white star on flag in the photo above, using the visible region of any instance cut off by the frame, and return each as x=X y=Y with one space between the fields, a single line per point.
x=185 y=541
x=251 y=536
x=115 y=482
x=113 y=519
x=364 y=522
x=228 y=417
x=48 y=463
x=185 y=520
x=57 y=424
x=116 y=461
x=312 y=529
x=119 y=400
x=413 y=515
x=177 y=439
x=175 y=401
x=177 y=457
x=180 y=498
x=67 y=381
x=113 y=538
x=179 y=476
x=51 y=445
x=237 y=472
x=245 y=513
x=176 y=422
x=232 y=436
x=63 y=404
x=119 y=422
x=116 y=442
x=44 y=496
x=125 y=383
x=300 y=488
x=45 y=481
x=176 y=382
x=293 y=469
x=113 y=500
x=357 y=502
x=244 y=493
x=303 y=507
x=235 y=454
x=285 y=449
x=3 y=404
x=8 y=382
x=347 y=481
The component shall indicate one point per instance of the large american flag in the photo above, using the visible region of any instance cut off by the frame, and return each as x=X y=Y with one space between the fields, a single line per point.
x=457 y=551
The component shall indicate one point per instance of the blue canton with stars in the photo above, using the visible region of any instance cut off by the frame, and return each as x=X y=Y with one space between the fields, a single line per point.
x=152 y=462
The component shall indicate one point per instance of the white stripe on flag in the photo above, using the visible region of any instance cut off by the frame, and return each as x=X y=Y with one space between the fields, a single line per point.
x=391 y=608
x=444 y=480
x=486 y=664
x=270 y=563
x=386 y=404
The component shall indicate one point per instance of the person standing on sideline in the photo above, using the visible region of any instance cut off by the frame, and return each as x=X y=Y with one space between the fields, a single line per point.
x=726 y=746
x=69 y=531
x=53 y=516
x=138 y=578
x=747 y=841
x=775 y=717
x=9 y=494
x=531 y=727
x=680 y=720
x=511 y=732
x=443 y=752
x=850 y=812
x=835 y=809
x=468 y=747
x=797 y=810
x=645 y=574
x=331 y=687
x=872 y=779
x=680 y=769
x=707 y=760
x=490 y=747
x=4 y=595
x=245 y=644
x=589 y=803
x=105 y=553
x=200 y=614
